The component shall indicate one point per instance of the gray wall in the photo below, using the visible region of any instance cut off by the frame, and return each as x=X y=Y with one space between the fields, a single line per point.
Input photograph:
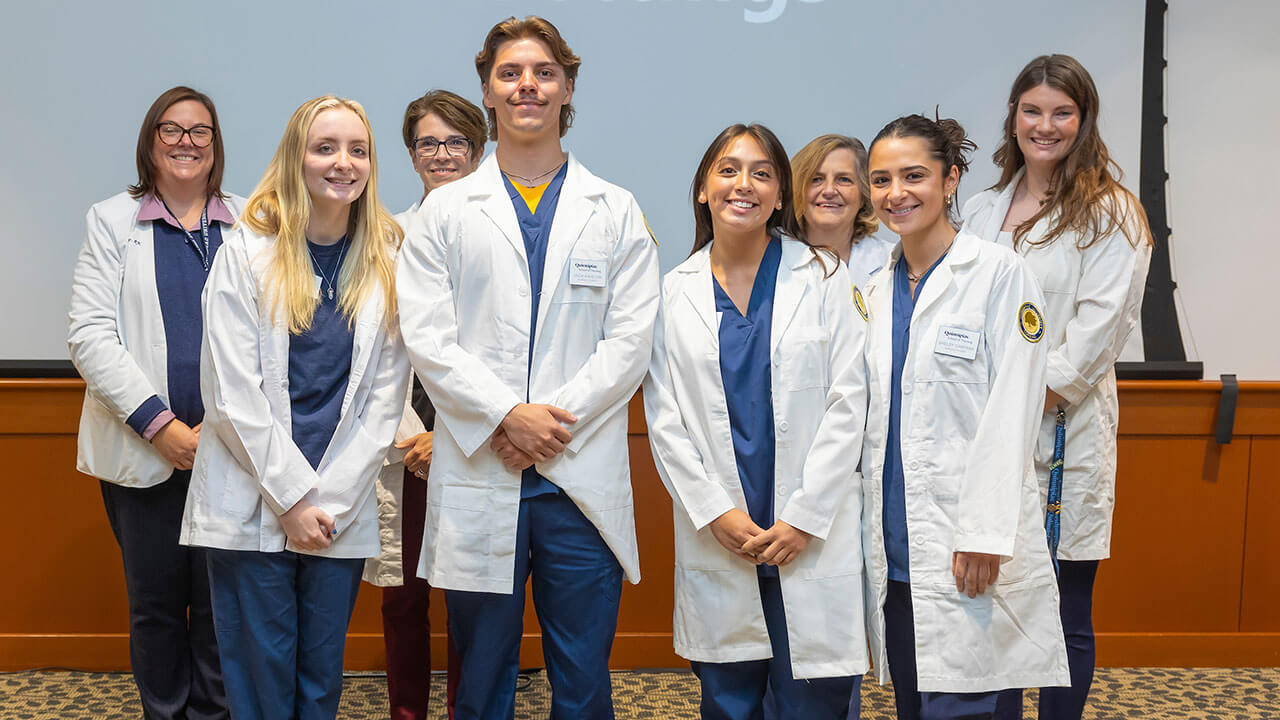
x=659 y=79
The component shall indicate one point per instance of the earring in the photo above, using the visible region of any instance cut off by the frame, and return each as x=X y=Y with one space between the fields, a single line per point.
x=948 y=202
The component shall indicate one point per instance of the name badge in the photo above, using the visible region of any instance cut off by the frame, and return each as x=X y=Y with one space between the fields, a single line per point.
x=590 y=273
x=958 y=342
x=318 y=281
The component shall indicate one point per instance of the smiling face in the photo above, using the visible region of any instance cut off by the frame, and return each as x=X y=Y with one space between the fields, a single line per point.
x=1046 y=121
x=184 y=162
x=742 y=189
x=335 y=166
x=908 y=186
x=526 y=89
x=442 y=168
x=832 y=198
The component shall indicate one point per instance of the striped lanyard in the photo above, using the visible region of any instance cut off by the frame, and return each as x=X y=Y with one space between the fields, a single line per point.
x=201 y=250
x=1053 y=512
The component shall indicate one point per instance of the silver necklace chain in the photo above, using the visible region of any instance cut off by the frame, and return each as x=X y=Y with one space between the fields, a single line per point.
x=532 y=181
x=331 y=282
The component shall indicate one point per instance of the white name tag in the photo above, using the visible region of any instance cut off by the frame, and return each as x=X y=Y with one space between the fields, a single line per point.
x=590 y=273
x=958 y=342
x=318 y=282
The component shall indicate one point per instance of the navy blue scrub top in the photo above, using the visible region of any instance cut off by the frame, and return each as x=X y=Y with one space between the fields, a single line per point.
x=894 y=512
x=748 y=387
x=320 y=362
x=180 y=278
x=535 y=227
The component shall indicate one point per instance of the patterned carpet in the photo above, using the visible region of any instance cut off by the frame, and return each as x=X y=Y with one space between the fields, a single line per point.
x=1118 y=694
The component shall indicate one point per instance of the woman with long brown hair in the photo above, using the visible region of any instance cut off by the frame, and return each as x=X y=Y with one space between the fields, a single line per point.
x=756 y=398
x=1060 y=205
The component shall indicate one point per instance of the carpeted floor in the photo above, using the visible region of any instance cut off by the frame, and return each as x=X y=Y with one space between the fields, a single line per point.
x=1118 y=694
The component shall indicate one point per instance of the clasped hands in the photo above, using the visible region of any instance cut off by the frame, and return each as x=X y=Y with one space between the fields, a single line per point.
x=779 y=545
x=531 y=433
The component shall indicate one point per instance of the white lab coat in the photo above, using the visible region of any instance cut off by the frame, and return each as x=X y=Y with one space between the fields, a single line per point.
x=819 y=407
x=387 y=569
x=1092 y=302
x=117 y=341
x=866 y=258
x=463 y=284
x=248 y=471
x=967 y=433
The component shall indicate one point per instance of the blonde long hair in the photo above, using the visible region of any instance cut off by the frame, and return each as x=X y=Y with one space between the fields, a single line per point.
x=805 y=164
x=281 y=206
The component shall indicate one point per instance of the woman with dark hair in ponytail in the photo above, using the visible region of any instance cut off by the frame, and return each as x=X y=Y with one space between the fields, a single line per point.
x=962 y=601
x=1085 y=237
x=756 y=398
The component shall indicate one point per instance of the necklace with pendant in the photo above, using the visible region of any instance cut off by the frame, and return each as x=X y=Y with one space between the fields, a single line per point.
x=330 y=281
x=533 y=181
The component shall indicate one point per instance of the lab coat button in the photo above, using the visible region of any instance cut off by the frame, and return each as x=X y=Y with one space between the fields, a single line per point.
x=783 y=426
x=919 y=539
x=524 y=292
x=906 y=388
x=915 y=465
x=782 y=489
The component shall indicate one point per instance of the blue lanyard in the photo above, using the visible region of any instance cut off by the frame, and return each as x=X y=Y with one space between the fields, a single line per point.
x=1053 y=513
x=201 y=251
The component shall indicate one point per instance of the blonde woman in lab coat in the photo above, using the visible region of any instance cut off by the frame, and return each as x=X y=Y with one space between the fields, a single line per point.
x=962 y=600
x=756 y=398
x=1059 y=204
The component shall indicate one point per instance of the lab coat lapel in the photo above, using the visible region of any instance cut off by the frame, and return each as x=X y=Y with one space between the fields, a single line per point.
x=700 y=295
x=367 y=320
x=789 y=290
x=991 y=230
x=879 y=300
x=578 y=196
x=496 y=205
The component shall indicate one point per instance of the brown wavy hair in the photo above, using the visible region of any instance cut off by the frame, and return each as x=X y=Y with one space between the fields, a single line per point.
x=455 y=110
x=147 y=139
x=781 y=220
x=1085 y=194
x=805 y=165
x=538 y=29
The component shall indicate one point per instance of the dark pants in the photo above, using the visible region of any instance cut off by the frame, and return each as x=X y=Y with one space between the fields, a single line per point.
x=406 y=628
x=1075 y=590
x=282 y=628
x=900 y=642
x=738 y=690
x=172 y=647
x=577 y=583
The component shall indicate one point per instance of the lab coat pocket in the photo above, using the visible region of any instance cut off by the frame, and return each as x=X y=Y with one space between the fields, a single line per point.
x=802 y=359
x=463 y=528
x=957 y=350
x=239 y=491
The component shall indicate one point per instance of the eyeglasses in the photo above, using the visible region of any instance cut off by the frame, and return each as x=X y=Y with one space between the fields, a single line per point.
x=171 y=134
x=428 y=147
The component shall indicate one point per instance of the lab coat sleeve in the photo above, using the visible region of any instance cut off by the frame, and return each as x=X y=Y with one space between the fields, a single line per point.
x=1000 y=454
x=232 y=384
x=358 y=452
x=610 y=376
x=111 y=375
x=829 y=468
x=469 y=398
x=677 y=459
x=1113 y=277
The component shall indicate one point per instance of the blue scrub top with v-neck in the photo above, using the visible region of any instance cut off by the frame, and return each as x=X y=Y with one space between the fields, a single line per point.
x=894 y=512
x=748 y=387
x=535 y=228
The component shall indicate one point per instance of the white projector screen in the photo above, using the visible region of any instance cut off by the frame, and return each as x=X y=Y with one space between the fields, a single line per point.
x=659 y=79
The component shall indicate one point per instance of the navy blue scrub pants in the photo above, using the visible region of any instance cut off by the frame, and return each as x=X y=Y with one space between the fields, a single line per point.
x=172 y=648
x=1075 y=591
x=737 y=690
x=577 y=583
x=900 y=642
x=281 y=620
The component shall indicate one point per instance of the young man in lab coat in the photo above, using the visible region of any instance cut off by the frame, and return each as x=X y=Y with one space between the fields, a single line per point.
x=528 y=293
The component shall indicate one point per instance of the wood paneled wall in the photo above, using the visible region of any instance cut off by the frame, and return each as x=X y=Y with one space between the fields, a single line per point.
x=1193 y=578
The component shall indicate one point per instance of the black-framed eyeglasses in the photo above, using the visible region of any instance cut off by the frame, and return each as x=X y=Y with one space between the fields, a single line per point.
x=428 y=147
x=171 y=134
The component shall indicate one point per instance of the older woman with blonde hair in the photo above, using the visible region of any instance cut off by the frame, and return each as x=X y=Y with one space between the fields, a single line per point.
x=304 y=377
x=832 y=200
